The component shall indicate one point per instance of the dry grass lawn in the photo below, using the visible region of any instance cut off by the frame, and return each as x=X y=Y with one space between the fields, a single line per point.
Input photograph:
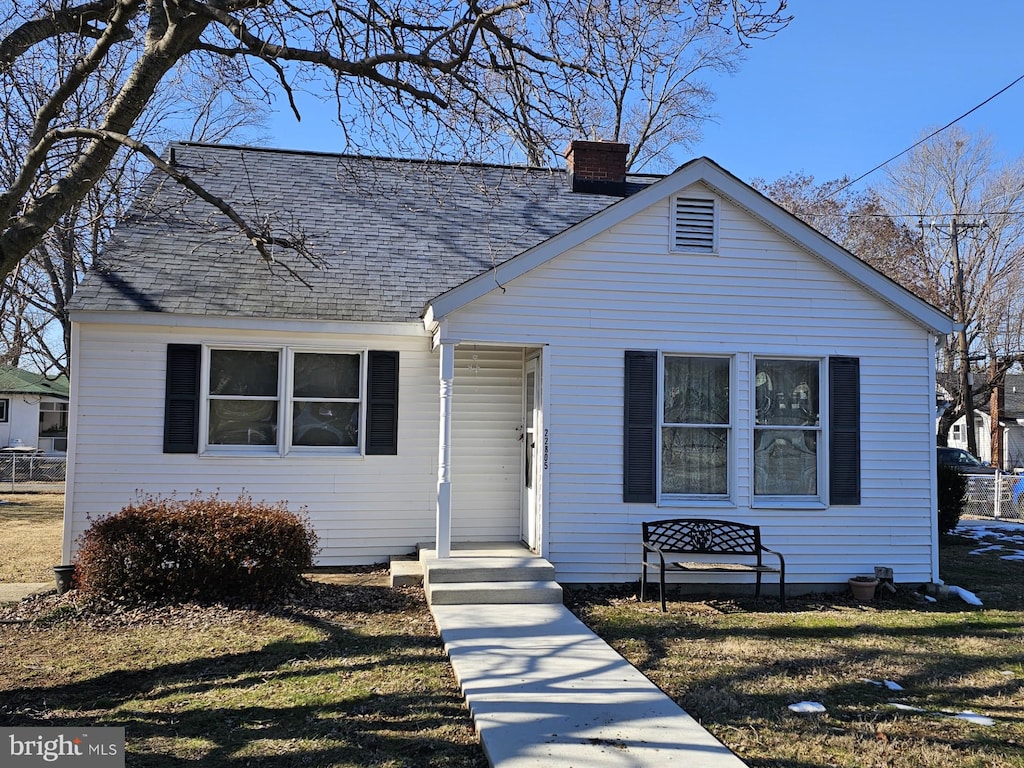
x=349 y=673
x=737 y=665
x=30 y=546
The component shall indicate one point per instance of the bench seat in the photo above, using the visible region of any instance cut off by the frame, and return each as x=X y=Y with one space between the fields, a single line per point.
x=669 y=539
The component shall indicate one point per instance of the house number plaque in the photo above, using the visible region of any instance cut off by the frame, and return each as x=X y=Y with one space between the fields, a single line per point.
x=546 y=442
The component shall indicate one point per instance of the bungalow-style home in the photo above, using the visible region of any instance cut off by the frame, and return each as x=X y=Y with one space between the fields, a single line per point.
x=485 y=353
x=33 y=411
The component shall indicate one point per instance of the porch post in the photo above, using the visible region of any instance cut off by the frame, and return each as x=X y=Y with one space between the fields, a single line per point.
x=444 y=469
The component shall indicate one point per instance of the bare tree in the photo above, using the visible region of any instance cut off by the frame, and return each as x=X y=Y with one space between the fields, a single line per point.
x=34 y=324
x=402 y=69
x=637 y=73
x=420 y=51
x=970 y=211
x=948 y=224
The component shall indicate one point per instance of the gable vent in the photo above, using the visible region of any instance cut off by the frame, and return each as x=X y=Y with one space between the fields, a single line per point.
x=694 y=225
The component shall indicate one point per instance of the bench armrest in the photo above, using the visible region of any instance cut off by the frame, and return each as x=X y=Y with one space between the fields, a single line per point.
x=782 y=562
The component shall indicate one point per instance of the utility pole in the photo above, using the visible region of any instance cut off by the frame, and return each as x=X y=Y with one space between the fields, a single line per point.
x=997 y=379
x=960 y=305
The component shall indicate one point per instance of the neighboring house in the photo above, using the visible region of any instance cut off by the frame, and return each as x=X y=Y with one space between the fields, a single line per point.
x=33 y=411
x=1011 y=422
x=492 y=353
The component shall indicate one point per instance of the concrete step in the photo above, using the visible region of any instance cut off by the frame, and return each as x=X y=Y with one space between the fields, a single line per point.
x=493 y=592
x=406 y=572
x=469 y=569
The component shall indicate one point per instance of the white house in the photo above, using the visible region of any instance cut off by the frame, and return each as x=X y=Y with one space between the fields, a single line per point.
x=499 y=353
x=1011 y=427
x=33 y=411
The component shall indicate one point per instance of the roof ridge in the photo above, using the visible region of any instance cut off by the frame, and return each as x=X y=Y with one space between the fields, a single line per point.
x=378 y=158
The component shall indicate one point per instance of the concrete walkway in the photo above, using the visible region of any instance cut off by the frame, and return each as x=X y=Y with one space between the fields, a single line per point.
x=13 y=593
x=546 y=692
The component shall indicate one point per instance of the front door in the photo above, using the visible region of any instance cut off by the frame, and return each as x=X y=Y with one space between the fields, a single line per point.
x=531 y=455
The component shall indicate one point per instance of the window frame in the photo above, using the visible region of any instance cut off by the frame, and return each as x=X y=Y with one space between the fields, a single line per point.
x=63 y=411
x=5 y=410
x=821 y=467
x=711 y=499
x=285 y=401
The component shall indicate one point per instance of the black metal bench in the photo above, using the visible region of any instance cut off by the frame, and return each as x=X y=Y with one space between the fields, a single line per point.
x=695 y=536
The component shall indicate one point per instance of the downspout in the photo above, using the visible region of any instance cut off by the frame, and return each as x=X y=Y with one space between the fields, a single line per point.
x=933 y=464
x=72 y=452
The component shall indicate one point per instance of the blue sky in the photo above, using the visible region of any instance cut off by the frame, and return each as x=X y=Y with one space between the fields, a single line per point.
x=843 y=88
x=848 y=85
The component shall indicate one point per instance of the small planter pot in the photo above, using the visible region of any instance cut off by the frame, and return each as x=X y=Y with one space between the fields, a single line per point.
x=863 y=588
x=64 y=575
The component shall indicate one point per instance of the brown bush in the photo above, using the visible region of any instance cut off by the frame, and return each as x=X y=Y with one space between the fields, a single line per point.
x=204 y=548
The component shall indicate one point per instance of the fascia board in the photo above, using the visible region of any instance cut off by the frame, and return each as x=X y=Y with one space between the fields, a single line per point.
x=221 y=322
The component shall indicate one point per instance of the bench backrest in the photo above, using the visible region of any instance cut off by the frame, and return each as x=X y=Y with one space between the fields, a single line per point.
x=704 y=537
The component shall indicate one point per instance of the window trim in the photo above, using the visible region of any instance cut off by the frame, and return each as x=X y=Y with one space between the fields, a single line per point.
x=285 y=400
x=5 y=410
x=687 y=499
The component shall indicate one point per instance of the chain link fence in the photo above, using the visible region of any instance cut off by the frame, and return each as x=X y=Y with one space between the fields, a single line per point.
x=32 y=472
x=998 y=496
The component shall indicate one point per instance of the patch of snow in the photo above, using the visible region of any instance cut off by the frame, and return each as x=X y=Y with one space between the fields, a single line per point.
x=929 y=599
x=891 y=685
x=966 y=595
x=905 y=707
x=807 y=707
x=989 y=548
x=974 y=717
x=1015 y=556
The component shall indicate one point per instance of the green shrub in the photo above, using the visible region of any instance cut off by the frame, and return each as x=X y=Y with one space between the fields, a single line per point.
x=952 y=493
x=204 y=548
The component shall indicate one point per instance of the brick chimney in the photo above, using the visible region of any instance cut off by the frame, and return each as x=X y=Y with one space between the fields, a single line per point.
x=597 y=167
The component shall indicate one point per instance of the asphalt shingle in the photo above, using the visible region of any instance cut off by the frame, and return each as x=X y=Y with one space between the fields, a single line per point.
x=385 y=235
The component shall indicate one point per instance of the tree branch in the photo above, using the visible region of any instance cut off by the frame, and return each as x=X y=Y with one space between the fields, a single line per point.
x=75 y=20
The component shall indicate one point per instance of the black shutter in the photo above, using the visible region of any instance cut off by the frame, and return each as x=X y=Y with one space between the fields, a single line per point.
x=381 y=403
x=641 y=419
x=844 y=430
x=181 y=399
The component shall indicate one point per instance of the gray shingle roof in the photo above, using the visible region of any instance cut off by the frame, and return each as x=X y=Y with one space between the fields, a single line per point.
x=388 y=234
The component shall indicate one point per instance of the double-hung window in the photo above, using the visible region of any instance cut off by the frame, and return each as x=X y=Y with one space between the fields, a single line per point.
x=787 y=427
x=279 y=400
x=680 y=427
x=695 y=426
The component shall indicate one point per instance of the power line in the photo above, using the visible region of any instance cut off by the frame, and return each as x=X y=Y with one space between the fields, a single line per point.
x=929 y=136
x=908 y=215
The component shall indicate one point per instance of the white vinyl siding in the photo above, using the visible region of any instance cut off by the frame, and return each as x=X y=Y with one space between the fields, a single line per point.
x=758 y=296
x=364 y=508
